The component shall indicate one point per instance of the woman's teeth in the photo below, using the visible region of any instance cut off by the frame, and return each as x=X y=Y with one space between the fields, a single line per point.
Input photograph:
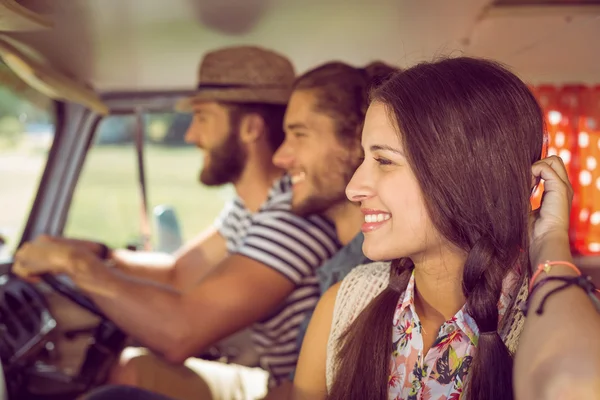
x=370 y=218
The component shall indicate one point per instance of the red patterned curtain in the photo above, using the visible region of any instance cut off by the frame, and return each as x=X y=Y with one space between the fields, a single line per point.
x=573 y=123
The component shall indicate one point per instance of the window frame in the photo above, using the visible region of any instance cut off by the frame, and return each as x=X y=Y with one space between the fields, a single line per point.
x=74 y=136
x=58 y=116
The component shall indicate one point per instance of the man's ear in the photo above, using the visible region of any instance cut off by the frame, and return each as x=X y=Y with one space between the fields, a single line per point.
x=252 y=127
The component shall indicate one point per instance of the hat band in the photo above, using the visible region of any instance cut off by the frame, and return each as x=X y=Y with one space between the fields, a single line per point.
x=237 y=86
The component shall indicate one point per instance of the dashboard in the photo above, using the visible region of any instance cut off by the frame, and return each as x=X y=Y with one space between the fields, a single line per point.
x=25 y=322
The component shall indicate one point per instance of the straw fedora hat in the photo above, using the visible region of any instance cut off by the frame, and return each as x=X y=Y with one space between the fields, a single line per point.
x=243 y=74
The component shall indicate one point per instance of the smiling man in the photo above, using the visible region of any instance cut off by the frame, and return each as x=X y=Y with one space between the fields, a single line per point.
x=255 y=268
x=321 y=151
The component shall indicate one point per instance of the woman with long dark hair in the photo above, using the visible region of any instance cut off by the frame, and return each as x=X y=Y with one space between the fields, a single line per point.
x=445 y=188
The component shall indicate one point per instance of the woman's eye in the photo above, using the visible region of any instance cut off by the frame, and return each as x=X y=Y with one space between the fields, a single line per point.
x=383 y=161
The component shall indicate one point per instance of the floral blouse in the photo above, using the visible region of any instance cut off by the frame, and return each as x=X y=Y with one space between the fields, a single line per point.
x=440 y=374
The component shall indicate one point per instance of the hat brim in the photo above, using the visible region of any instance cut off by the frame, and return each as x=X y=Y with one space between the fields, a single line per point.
x=235 y=95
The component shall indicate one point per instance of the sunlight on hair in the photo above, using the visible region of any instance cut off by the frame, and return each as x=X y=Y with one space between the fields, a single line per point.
x=584 y=214
x=595 y=218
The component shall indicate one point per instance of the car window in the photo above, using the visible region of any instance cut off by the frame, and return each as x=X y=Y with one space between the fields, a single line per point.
x=27 y=122
x=107 y=201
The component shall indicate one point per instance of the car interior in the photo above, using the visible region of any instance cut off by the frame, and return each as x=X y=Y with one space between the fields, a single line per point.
x=91 y=144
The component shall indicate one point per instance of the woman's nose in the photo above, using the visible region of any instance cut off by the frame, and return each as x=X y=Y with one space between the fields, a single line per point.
x=360 y=187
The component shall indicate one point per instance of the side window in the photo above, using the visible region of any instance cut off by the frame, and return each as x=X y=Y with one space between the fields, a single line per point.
x=27 y=121
x=107 y=202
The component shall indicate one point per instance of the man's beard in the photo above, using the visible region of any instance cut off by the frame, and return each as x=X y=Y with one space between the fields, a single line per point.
x=319 y=204
x=226 y=162
x=329 y=190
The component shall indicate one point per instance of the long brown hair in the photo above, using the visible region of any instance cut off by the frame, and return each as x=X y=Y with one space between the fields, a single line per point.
x=471 y=131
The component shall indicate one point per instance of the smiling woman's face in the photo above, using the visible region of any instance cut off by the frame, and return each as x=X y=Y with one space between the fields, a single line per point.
x=396 y=220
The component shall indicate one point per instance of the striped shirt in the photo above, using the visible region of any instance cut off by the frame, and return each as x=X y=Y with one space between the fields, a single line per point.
x=293 y=246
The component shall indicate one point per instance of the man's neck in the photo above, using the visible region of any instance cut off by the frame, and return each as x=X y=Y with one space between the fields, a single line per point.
x=347 y=219
x=438 y=287
x=255 y=182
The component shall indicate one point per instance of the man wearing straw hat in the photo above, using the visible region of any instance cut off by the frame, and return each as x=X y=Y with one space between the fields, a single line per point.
x=255 y=268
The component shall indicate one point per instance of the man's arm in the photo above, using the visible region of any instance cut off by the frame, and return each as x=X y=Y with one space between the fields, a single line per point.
x=184 y=269
x=239 y=292
x=280 y=251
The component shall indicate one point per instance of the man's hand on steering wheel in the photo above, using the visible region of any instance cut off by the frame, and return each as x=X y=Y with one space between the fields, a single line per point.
x=100 y=249
x=53 y=256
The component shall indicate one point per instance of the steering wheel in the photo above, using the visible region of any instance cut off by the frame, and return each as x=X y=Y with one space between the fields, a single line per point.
x=212 y=354
x=108 y=342
x=73 y=295
x=34 y=376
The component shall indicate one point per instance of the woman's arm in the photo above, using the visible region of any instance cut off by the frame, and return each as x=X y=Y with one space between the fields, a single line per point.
x=559 y=351
x=309 y=381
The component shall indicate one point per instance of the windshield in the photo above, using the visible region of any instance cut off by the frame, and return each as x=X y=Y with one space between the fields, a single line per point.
x=27 y=122
x=107 y=204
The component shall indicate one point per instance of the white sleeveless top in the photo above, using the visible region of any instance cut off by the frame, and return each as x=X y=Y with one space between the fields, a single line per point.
x=367 y=281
